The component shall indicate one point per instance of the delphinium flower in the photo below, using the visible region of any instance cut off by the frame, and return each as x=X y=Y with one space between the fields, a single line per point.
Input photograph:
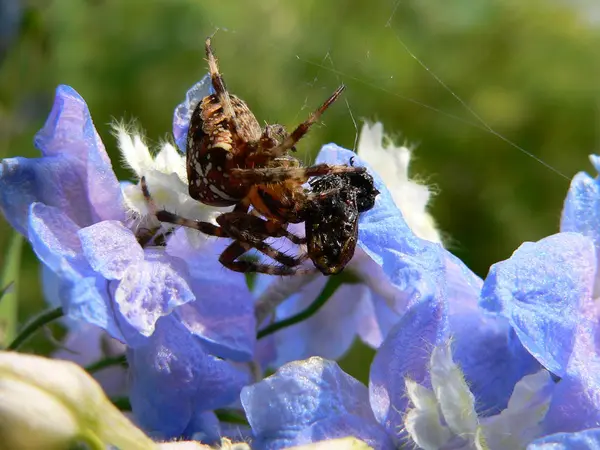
x=365 y=303
x=522 y=320
x=184 y=318
x=576 y=404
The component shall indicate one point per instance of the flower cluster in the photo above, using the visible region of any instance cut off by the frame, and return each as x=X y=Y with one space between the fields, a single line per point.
x=508 y=362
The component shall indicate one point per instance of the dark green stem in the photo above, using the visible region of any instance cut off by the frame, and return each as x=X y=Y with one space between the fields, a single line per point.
x=122 y=403
x=119 y=360
x=226 y=415
x=38 y=322
x=331 y=286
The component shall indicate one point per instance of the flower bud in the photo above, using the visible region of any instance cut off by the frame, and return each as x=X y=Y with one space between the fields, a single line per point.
x=53 y=404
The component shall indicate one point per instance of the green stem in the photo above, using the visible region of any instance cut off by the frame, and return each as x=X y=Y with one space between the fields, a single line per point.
x=330 y=287
x=119 y=360
x=122 y=403
x=226 y=415
x=30 y=328
x=9 y=295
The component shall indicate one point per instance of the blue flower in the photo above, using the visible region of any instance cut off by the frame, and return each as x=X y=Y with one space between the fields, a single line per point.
x=583 y=440
x=176 y=383
x=522 y=318
x=394 y=267
x=182 y=315
x=581 y=211
x=576 y=404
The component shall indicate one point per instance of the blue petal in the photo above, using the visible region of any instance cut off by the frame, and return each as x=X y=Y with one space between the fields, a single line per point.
x=110 y=248
x=173 y=380
x=414 y=266
x=69 y=131
x=405 y=354
x=183 y=112
x=583 y=440
x=576 y=402
x=491 y=357
x=540 y=290
x=223 y=313
x=53 y=236
x=204 y=427
x=74 y=175
x=151 y=289
x=376 y=320
x=58 y=181
x=308 y=401
x=581 y=212
x=329 y=333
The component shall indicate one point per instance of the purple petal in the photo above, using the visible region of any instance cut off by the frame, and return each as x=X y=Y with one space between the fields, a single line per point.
x=483 y=344
x=74 y=173
x=53 y=236
x=375 y=320
x=223 y=313
x=581 y=212
x=151 y=289
x=204 y=427
x=173 y=380
x=308 y=401
x=86 y=344
x=576 y=402
x=583 y=440
x=56 y=181
x=110 y=248
x=491 y=357
x=86 y=298
x=540 y=290
x=69 y=131
x=415 y=267
x=405 y=354
x=329 y=333
x=183 y=112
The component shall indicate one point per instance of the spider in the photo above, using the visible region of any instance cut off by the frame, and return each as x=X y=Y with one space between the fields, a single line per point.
x=330 y=211
x=231 y=161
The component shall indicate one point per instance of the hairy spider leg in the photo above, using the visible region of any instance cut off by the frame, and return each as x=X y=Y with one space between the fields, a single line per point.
x=289 y=265
x=303 y=128
x=218 y=82
x=301 y=174
x=239 y=224
x=244 y=239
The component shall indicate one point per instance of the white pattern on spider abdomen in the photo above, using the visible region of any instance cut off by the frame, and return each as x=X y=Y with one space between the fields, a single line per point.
x=212 y=150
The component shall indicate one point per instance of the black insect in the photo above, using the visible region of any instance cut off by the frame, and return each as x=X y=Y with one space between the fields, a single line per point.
x=332 y=219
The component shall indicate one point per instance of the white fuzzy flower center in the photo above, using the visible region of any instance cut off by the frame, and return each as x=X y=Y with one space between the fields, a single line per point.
x=391 y=163
x=445 y=417
x=166 y=177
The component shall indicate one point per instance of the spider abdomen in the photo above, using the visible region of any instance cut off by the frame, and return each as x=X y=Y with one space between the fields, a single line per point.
x=215 y=145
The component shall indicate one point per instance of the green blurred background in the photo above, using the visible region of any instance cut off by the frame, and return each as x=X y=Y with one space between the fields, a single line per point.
x=529 y=69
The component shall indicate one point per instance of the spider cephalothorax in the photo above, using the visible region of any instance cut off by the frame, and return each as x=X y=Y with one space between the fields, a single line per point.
x=231 y=161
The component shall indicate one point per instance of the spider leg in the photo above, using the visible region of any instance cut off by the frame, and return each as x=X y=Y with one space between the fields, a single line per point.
x=247 y=227
x=230 y=255
x=169 y=217
x=279 y=174
x=218 y=82
x=303 y=128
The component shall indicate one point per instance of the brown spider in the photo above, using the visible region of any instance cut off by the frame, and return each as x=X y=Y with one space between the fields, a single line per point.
x=231 y=161
x=330 y=211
